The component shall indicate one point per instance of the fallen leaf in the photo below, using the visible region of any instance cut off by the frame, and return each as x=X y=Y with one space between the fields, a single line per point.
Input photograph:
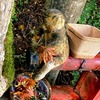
x=21 y=27
x=46 y=54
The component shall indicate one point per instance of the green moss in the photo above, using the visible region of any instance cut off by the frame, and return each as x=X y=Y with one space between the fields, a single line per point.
x=8 y=67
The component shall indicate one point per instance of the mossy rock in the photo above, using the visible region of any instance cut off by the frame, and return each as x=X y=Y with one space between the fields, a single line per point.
x=8 y=67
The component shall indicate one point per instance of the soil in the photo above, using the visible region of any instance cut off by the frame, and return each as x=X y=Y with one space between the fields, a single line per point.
x=27 y=20
x=29 y=17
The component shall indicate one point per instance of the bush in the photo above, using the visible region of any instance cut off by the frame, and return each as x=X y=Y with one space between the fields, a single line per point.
x=91 y=14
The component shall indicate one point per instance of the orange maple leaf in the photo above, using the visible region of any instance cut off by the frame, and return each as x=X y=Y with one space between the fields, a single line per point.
x=46 y=54
x=24 y=95
x=24 y=88
x=25 y=82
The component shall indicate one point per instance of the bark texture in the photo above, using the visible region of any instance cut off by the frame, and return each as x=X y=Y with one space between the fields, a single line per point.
x=5 y=15
x=72 y=10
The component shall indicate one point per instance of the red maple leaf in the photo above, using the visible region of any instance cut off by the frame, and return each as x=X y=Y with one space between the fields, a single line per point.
x=46 y=54
x=24 y=88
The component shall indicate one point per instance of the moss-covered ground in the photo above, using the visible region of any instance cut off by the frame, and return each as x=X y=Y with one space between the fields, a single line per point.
x=8 y=67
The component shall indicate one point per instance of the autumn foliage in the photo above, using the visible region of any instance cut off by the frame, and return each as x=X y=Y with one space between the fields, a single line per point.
x=23 y=88
x=46 y=54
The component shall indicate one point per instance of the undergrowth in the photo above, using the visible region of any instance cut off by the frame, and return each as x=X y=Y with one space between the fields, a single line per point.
x=90 y=14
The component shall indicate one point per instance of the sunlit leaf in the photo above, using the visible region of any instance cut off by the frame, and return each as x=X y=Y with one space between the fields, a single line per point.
x=46 y=54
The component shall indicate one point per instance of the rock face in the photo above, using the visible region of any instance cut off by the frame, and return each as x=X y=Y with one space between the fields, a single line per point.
x=5 y=15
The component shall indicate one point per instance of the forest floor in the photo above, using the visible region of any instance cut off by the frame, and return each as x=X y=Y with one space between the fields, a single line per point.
x=29 y=18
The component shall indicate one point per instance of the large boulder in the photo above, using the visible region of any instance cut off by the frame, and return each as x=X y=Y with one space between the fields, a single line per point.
x=6 y=42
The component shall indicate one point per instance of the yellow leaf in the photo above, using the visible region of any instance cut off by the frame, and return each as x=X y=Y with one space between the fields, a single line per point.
x=21 y=27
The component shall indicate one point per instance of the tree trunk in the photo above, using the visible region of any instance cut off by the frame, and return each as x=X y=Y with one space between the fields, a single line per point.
x=5 y=16
x=72 y=10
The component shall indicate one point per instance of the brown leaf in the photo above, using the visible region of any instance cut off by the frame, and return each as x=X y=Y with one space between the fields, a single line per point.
x=24 y=89
x=21 y=27
x=46 y=54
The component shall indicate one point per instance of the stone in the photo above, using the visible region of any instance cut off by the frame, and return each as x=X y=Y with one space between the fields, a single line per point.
x=5 y=16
